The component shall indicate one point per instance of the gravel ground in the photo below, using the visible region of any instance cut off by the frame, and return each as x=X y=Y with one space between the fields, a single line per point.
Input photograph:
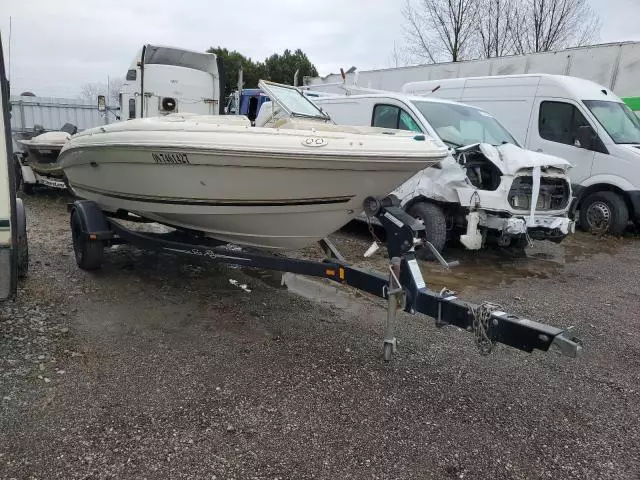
x=156 y=368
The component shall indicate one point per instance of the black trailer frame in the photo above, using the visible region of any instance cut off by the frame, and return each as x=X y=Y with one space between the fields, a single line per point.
x=403 y=286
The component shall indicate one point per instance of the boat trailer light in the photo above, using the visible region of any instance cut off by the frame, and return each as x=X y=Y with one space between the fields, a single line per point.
x=403 y=286
x=331 y=273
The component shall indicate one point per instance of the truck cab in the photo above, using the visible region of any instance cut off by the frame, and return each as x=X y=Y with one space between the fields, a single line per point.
x=246 y=102
x=488 y=187
x=164 y=80
x=572 y=118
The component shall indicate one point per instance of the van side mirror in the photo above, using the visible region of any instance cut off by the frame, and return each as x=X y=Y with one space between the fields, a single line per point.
x=585 y=137
x=102 y=103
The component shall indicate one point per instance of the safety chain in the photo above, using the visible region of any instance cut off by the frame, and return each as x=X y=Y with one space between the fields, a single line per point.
x=481 y=318
x=371 y=231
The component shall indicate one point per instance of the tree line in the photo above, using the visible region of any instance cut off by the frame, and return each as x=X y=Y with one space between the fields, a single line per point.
x=454 y=30
x=278 y=68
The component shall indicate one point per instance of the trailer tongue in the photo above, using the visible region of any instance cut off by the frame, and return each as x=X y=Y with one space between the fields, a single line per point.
x=403 y=287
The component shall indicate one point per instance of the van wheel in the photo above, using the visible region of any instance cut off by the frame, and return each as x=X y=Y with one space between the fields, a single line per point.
x=435 y=223
x=604 y=212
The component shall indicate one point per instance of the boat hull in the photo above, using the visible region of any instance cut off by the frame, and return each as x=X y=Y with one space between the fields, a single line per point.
x=42 y=153
x=241 y=204
x=265 y=188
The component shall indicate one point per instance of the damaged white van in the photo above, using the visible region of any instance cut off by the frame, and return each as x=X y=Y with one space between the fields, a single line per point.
x=489 y=188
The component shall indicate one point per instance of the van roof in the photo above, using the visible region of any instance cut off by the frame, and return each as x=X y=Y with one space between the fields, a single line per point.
x=396 y=96
x=579 y=87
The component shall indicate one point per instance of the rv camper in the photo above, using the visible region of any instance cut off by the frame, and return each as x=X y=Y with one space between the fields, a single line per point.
x=13 y=233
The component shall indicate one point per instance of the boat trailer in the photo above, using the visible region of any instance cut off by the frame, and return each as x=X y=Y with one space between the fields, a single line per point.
x=403 y=286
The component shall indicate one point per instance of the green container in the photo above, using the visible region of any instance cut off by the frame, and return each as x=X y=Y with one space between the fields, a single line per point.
x=633 y=103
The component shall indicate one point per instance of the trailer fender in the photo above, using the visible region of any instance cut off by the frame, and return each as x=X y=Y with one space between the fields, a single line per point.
x=92 y=219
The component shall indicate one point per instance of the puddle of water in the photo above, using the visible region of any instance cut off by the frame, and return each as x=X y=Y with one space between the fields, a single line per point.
x=494 y=266
x=478 y=270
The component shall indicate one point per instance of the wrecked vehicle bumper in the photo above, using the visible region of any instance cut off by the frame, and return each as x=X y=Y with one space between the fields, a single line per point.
x=543 y=227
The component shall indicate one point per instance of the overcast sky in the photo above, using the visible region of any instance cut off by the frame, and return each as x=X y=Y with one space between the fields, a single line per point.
x=58 y=45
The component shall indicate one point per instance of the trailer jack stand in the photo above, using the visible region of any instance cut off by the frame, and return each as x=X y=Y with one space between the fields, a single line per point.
x=395 y=301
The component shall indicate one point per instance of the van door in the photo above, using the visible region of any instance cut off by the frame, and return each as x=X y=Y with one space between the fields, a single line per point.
x=392 y=116
x=554 y=130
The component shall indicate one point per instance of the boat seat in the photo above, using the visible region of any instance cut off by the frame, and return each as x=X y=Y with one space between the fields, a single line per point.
x=212 y=119
x=304 y=124
x=70 y=128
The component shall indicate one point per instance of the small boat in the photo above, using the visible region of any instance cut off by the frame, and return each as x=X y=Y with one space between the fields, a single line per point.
x=41 y=152
x=278 y=187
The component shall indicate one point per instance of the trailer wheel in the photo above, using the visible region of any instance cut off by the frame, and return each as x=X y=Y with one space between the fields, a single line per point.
x=23 y=244
x=435 y=223
x=88 y=252
x=604 y=212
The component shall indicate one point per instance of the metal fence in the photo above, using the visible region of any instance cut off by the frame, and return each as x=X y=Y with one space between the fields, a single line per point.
x=51 y=114
x=614 y=65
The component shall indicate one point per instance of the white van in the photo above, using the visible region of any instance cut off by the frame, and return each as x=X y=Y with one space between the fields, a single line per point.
x=575 y=119
x=488 y=185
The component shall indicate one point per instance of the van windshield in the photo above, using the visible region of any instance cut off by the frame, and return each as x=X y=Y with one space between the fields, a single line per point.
x=617 y=119
x=460 y=125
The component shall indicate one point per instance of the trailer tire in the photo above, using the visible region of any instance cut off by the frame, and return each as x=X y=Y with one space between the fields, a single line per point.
x=435 y=223
x=88 y=253
x=604 y=212
x=23 y=243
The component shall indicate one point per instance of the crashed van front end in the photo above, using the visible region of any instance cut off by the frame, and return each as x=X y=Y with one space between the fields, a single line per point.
x=513 y=193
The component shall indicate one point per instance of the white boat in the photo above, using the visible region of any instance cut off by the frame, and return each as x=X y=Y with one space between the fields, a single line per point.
x=281 y=187
x=42 y=152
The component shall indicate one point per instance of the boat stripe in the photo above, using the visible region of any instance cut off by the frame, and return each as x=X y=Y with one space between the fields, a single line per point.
x=220 y=202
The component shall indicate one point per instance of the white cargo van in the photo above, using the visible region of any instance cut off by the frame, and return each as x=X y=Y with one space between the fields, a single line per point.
x=488 y=185
x=572 y=118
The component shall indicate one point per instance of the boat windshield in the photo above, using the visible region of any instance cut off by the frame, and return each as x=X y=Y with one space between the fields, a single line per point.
x=459 y=125
x=617 y=119
x=292 y=101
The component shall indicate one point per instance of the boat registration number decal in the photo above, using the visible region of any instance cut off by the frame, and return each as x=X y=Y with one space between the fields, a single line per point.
x=171 y=157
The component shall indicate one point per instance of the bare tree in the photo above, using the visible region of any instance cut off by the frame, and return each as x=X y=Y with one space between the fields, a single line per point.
x=90 y=91
x=115 y=84
x=397 y=57
x=494 y=28
x=544 y=25
x=441 y=30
